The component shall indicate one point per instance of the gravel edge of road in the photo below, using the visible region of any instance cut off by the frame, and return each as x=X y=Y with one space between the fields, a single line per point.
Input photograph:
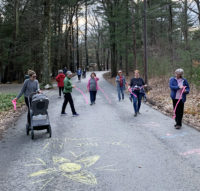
x=10 y=120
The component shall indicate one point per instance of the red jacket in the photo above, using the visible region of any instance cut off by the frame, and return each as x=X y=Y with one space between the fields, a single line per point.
x=60 y=79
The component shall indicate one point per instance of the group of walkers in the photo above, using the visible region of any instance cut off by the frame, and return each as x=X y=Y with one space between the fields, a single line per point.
x=178 y=85
x=65 y=86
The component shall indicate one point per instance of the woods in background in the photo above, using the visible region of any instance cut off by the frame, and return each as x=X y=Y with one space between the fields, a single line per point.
x=47 y=35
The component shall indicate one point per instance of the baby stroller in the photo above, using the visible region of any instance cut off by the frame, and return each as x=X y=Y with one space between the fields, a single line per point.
x=38 y=115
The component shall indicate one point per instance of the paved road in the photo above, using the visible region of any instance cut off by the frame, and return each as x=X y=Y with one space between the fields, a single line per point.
x=104 y=149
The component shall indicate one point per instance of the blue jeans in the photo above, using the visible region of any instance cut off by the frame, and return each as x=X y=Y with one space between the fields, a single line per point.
x=137 y=101
x=120 y=91
x=93 y=96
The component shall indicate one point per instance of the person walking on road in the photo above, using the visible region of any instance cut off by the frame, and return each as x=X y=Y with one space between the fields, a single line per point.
x=179 y=89
x=84 y=73
x=30 y=86
x=136 y=86
x=121 y=85
x=60 y=80
x=67 y=94
x=79 y=73
x=65 y=70
x=93 y=87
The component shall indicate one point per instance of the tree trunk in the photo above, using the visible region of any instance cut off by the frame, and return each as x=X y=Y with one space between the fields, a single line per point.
x=47 y=42
x=113 y=50
x=86 y=31
x=198 y=7
x=170 y=34
x=145 y=44
x=107 y=60
x=97 y=57
x=134 y=41
x=77 y=39
x=185 y=27
x=71 y=46
x=127 y=26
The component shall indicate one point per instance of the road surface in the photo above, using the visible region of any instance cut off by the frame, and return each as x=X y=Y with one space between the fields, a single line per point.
x=104 y=149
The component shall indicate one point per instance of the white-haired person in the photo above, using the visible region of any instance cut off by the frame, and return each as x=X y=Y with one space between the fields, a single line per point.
x=179 y=89
x=67 y=92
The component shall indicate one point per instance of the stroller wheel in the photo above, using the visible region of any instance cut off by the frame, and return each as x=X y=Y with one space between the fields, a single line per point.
x=27 y=129
x=32 y=134
x=49 y=131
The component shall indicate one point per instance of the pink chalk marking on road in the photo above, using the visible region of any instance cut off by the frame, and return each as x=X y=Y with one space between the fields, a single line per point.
x=194 y=151
x=168 y=134
x=85 y=97
x=174 y=115
x=14 y=102
x=105 y=95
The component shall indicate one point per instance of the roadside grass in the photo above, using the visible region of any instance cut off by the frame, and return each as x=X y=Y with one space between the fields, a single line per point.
x=6 y=101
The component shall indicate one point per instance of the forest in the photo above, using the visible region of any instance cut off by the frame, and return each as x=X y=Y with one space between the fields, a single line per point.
x=48 y=35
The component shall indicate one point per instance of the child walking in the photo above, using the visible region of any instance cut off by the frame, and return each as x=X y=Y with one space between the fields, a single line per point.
x=60 y=80
x=93 y=87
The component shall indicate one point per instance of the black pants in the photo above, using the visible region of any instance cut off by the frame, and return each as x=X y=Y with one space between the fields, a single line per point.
x=28 y=114
x=93 y=96
x=179 y=111
x=68 y=98
x=60 y=90
x=79 y=77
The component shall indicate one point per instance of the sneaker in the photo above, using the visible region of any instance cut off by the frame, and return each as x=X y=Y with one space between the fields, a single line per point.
x=178 y=127
x=139 y=113
x=59 y=96
x=75 y=115
x=91 y=104
x=135 y=115
x=63 y=113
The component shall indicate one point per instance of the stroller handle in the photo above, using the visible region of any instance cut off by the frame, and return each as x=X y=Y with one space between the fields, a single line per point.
x=34 y=93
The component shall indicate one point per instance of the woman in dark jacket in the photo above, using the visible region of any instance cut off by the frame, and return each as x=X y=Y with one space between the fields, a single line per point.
x=179 y=89
x=136 y=86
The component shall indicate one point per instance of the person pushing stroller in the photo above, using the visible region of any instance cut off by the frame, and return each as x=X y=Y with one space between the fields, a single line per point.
x=30 y=86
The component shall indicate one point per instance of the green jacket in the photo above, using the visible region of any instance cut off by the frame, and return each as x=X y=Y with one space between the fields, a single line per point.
x=67 y=85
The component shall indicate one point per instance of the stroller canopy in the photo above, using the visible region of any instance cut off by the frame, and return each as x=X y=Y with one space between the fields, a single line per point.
x=39 y=104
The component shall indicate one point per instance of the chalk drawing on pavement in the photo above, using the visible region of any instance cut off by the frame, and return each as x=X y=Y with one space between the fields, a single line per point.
x=78 y=169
